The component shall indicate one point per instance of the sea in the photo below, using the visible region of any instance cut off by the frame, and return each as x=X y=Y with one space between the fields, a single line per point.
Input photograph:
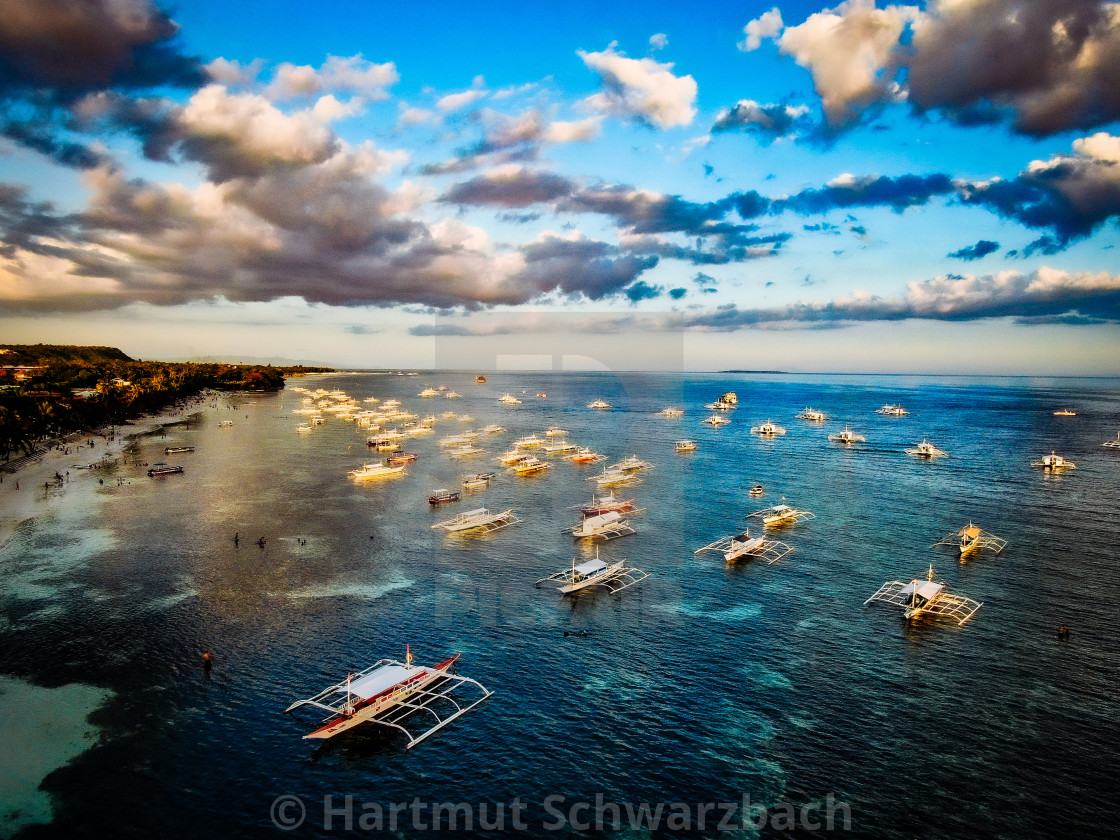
x=709 y=700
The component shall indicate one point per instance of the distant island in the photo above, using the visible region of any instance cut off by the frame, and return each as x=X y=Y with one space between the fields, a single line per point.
x=49 y=390
x=753 y=371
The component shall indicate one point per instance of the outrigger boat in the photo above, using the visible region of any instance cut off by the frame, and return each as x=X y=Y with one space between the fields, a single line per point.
x=768 y=429
x=303 y=428
x=559 y=447
x=389 y=692
x=925 y=449
x=892 y=410
x=615 y=577
x=605 y=526
x=1113 y=444
x=163 y=469
x=614 y=477
x=478 y=520
x=529 y=465
x=1065 y=412
x=225 y=424
x=555 y=431
x=926 y=597
x=528 y=442
x=509 y=399
x=725 y=403
x=584 y=455
x=375 y=471
x=970 y=538
x=599 y=403
x=1053 y=461
x=847 y=436
x=512 y=457
x=781 y=514
x=480 y=379
x=606 y=504
x=684 y=446
x=402 y=458
x=442 y=496
x=670 y=411
x=466 y=450
x=757 y=490
x=631 y=463
x=173 y=449
x=477 y=480
x=745 y=547
x=715 y=420
x=813 y=415
x=492 y=429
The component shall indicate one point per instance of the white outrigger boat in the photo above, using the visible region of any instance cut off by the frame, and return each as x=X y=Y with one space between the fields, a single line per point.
x=477 y=481
x=303 y=428
x=684 y=446
x=466 y=450
x=768 y=429
x=891 y=410
x=492 y=429
x=615 y=577
x=925 y=449
x=781 y=514
x=847 y=436
x=1065 y=412
x=604 y=526
x=528 y=442
x=614 y=477
x=509 y=399
x=599 y=404
x=970 y=538
x=745 y=547
x=813 y=415
x=1114 y=443
x=1053 y=461
x=559 y=447
x=375 y=470
x=631 y=463
x=480 y=519
x=725 y=403
x=556 y=431
x=715 y=420
x=389 y=692
x=926 y=597
x=670 y=411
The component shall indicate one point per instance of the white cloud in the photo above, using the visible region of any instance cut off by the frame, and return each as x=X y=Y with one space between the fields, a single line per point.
x=766 y=26
x=354 y=75
x=658 y=41
x=455 y=101
x=642 y=89
x=578 y=131
x=231 y=72
x=850 y=52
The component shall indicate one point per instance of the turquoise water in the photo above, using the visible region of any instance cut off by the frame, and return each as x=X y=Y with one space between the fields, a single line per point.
x=704 y=683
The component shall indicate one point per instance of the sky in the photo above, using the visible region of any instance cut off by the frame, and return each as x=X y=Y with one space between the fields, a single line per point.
x=928 y=188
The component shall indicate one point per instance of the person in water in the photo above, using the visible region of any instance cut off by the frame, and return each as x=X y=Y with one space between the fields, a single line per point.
x=1063 y=631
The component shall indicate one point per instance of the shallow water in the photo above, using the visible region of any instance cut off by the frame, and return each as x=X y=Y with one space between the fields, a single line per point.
x=703 y=683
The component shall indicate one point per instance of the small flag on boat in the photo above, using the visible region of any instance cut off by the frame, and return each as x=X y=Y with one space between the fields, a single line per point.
x=408 y=655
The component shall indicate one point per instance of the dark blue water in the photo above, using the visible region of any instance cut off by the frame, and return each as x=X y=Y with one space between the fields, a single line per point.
x=705 y=683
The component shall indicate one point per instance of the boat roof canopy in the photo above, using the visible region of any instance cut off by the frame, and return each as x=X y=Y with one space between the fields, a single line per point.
x=927 y=589
x=379 y=680
x=591 y=567
x=603 y=518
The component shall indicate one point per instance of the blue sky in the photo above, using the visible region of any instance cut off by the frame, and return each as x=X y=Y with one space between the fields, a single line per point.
x=860 y=187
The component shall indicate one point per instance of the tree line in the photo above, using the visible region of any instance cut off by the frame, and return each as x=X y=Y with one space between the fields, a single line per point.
x=81 y=389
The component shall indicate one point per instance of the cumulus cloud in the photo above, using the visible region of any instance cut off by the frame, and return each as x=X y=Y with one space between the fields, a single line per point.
x=509 y=186
x=237 y=134
x=578 y=265
x=1045 y=66
x=659 y=41
x=460 y=100
x=73 y=47
x=353 y=74
x=766 y=25
x=641 y=89
x=851 y=54
x=768 y=121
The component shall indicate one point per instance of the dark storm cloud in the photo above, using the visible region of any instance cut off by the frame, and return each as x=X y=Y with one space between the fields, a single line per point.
x=513 y=189
x=767 y=121
x=869 y=191
x=975 y=252
x=642 y=290
x=71 y=47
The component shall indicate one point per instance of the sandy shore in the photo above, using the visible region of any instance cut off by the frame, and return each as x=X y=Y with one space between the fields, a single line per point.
x=33 y=488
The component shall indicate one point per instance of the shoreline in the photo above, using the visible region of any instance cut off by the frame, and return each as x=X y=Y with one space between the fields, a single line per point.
x=31 y=488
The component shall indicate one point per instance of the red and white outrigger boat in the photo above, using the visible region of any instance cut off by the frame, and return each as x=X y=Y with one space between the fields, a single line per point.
x=389 y=692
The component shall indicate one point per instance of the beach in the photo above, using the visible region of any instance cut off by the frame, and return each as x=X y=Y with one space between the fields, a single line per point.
x=30 y=487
